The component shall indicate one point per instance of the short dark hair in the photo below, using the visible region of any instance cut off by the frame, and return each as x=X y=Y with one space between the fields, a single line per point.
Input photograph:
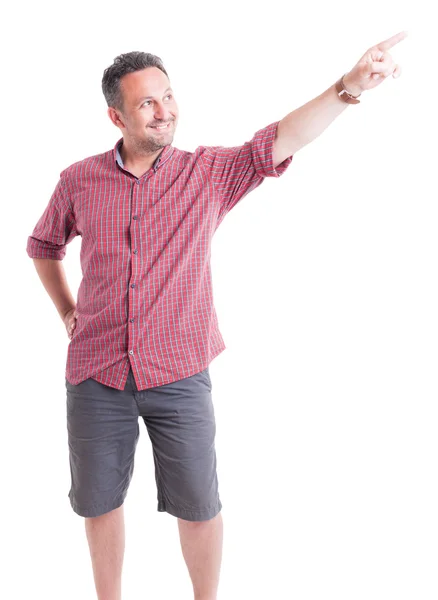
x=123 y=64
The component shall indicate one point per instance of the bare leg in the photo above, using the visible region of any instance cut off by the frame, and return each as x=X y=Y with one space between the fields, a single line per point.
x=106 y=539
x=201 y=544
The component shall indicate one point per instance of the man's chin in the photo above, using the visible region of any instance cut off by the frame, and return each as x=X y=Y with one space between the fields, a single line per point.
x=153 y=144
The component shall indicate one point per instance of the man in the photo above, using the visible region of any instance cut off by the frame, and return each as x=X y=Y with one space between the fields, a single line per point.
x=144 y=329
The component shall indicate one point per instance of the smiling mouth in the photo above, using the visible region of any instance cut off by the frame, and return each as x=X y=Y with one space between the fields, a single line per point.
x=162 y=127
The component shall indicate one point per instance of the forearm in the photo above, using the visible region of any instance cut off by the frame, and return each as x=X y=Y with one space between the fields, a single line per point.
x=52 y=275
x=303 y=125
x=306 y=123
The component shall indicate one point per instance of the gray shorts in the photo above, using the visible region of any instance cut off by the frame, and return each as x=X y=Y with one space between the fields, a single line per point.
x=103 y=431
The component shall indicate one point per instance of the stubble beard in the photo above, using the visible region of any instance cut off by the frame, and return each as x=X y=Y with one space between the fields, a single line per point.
x=151 y=144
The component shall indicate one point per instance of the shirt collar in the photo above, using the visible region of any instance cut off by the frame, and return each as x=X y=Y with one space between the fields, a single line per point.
x=164 y=155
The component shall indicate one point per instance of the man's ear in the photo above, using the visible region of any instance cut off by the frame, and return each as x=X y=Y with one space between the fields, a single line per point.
x=115 y=117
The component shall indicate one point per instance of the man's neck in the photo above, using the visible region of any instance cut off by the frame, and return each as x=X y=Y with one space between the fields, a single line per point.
x=135 y=163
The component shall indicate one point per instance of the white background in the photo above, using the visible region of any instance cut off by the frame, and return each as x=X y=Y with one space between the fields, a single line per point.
x=324 y=284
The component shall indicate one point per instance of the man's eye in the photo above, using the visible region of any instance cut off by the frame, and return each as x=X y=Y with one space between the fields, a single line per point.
x=168 y=96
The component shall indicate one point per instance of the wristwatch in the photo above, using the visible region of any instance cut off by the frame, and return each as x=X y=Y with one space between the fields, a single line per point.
x=343 y=94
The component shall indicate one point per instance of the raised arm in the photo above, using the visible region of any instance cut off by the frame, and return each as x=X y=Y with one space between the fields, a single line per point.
x=303 y=125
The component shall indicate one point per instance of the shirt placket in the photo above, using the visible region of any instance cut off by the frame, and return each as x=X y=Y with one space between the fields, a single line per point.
x=136 y=260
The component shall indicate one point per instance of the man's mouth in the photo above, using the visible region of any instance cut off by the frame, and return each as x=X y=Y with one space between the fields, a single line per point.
x=161 y=127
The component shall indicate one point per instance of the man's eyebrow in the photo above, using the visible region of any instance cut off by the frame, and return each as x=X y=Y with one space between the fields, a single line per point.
x=151 y=97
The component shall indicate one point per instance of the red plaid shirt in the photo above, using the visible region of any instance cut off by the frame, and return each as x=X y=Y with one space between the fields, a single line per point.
x=145 y=299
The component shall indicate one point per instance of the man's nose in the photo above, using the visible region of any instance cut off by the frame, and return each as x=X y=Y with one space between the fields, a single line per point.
x=162 y=113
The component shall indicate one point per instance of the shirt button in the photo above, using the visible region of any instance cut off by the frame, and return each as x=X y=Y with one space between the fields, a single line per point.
x=135 y=251
x=132 y=285
x=135 y=217
x=137 y=182
x=132 y=320
x=131 y=352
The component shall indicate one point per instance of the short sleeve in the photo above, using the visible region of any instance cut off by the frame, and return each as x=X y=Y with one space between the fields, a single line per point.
x=55 y=228
x=237 y=170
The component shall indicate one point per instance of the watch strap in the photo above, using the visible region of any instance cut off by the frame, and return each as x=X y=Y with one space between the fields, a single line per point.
x=343 y=94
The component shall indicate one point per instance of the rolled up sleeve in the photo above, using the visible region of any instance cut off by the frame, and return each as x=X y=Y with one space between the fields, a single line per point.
x=55 y=228
x=237 y=170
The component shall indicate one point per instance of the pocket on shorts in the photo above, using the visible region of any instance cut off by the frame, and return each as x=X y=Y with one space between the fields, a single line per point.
x=86 y=387
x=206 y=373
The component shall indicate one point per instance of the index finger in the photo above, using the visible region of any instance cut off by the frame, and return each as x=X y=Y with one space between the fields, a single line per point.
x=392 y=41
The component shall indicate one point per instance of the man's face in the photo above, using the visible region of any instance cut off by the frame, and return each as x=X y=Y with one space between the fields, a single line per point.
x=148 y=101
